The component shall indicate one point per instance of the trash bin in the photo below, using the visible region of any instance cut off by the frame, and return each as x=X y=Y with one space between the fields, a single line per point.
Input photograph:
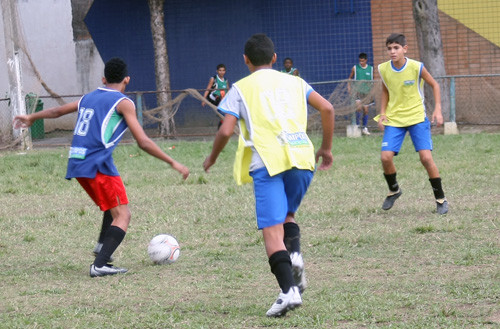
x=37 y=129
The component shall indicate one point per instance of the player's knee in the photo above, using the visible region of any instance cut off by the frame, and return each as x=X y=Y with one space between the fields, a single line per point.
x=426 y=159
x=386 y=158
x=427 y=162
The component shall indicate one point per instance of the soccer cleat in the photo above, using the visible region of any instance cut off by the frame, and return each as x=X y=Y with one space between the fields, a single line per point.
x=299 y=274
x=107 y=269
x=97 y=250
x=389 y=200
x=285 y=302
x=442 y=206
x=365 y=131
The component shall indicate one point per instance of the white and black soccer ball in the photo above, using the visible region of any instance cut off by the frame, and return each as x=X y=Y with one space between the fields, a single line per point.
x=164 y=249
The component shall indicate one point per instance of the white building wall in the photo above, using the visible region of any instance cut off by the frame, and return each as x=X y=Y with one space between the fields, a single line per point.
x=48 y=38
x=4 y=78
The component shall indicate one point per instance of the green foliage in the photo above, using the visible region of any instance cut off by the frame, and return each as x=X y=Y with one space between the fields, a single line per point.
x=367 y=268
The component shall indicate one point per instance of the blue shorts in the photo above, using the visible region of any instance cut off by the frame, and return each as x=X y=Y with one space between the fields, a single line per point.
x=278 y=195
x=420 y=136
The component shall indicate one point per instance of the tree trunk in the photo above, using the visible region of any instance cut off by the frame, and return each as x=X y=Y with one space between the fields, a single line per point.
x=425 y=14
x=162 y=70
x=84 y=45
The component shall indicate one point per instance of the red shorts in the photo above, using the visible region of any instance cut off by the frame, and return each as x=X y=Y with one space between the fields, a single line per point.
x=106 y=191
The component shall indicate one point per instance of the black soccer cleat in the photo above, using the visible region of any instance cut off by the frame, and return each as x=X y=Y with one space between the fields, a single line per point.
x=390 y=199
x=442 y=207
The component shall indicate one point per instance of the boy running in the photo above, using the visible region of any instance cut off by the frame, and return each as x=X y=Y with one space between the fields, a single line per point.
x=402 y=110
x=103 y=117
x=275 y=152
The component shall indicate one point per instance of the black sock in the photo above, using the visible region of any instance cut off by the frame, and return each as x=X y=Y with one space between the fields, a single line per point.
x=281 y=266
x=437 y=188
x=292 y=237
x=114 y=236
x=392 y=182
x=106 y=223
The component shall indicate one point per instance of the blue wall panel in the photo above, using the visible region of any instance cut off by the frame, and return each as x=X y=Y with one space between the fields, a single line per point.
x=324 y=39
x=121 y=28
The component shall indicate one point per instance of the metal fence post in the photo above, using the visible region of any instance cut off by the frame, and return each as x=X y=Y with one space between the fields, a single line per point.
x=452 y=100
x=138 y=104
x=353 y=118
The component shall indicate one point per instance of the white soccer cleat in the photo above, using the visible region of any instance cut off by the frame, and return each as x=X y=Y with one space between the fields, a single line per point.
x=107 y=269
x=285 y=302
x=299 y=274
x=365 y=131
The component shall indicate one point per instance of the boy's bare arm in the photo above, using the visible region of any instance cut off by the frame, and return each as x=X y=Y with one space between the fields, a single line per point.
x=25 y=121
x=351 y=76
x=127 y=109
x=327 y=113
x=208 y=89
x=225 y=132
x=437 y=115
x=383 y=106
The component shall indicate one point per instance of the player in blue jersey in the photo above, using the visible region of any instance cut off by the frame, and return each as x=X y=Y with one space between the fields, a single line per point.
x=103 y=117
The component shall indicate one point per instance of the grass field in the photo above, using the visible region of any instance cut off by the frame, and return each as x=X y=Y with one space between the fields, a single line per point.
x=367 y=268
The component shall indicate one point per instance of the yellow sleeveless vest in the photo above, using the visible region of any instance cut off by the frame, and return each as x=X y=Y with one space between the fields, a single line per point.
x=406 y=94
x=276 y=108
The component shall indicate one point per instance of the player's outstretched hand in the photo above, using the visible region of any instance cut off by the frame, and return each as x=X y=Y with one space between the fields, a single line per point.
x=207 y=164
x=22 y=121
x=326 y=159
x=182 y=169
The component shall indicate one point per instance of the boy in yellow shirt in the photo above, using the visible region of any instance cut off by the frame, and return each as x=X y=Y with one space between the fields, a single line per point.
x=275 y=153
x=403 y=110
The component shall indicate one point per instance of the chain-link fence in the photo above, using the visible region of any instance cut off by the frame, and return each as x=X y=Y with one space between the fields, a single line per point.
x=473 y=101
x=185 y=111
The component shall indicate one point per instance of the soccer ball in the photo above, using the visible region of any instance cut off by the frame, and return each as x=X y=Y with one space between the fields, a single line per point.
x=164 y=249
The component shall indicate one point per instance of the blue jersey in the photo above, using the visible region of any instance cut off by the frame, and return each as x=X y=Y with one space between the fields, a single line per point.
x=98 y=130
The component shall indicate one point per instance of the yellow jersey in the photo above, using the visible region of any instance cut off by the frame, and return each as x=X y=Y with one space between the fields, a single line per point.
x=272 y=114
x=405 y=106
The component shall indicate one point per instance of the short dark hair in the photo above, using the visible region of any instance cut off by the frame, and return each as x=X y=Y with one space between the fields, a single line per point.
x=220 y=66
x=363 y=56
x=396 y=38
x=288 y=59
x=259 y=49
x=115 y=70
